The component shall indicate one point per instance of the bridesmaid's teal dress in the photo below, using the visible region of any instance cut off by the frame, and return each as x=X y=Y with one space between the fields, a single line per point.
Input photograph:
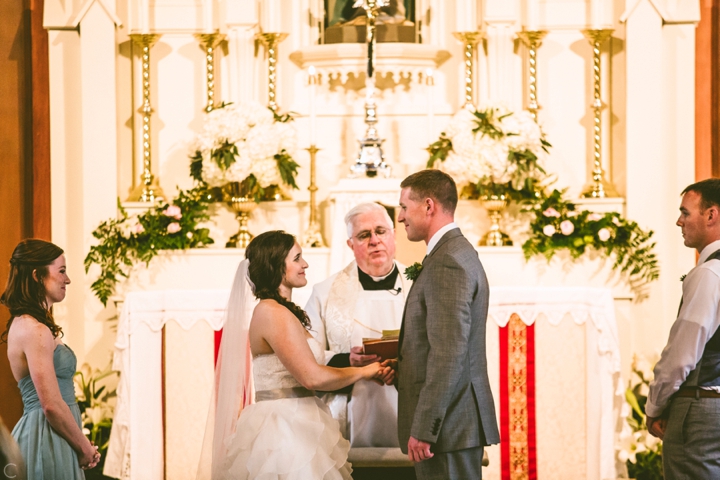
x=48 y=456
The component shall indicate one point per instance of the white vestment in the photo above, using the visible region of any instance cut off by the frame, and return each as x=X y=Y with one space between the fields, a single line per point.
x=342 y=314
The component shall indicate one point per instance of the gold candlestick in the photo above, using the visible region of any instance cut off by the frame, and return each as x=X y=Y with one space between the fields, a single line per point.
x=532 y=40
x=470 y=40
x=599 y=187
x=271 y=42
x=148 y=190
x=209 y=42
x=313 y=238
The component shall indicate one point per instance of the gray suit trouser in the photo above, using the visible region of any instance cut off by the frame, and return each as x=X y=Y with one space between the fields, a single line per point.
x=691 y=447
x=459 y=465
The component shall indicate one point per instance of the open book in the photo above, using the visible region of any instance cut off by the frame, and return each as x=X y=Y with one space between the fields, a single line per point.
x=385 y=347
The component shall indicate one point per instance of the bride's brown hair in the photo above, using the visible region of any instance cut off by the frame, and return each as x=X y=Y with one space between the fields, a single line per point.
x=267 y=253
x=24 y=294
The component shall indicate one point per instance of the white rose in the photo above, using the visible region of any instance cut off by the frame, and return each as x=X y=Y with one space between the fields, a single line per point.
x=549 y=230
x=604 y=234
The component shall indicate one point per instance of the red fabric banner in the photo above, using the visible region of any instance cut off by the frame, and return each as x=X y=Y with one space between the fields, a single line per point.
x=518 y=452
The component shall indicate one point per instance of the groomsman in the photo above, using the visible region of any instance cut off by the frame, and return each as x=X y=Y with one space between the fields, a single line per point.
x=446 y=414
x=684 y=399
x=361 y=301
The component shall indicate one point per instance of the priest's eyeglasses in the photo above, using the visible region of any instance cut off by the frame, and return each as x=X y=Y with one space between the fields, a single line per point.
x=381 y=232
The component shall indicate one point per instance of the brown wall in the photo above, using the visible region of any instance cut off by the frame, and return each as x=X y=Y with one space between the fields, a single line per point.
x=707 y=91
x=25 y=147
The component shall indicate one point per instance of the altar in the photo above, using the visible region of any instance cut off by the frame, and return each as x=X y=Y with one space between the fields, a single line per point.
x=250 y=99
x=569 y=363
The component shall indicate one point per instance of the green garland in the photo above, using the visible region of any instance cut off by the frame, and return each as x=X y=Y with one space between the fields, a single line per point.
x=558 y=225
x=125 y=241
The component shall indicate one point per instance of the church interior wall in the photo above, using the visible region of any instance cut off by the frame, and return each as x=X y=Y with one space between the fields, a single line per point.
x=648 y=135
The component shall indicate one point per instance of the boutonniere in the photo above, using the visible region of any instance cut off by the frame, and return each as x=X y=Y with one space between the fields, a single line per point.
x=413 y=271
x=682 y=277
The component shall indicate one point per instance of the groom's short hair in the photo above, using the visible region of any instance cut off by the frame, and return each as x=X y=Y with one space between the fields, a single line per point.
x=433 y=184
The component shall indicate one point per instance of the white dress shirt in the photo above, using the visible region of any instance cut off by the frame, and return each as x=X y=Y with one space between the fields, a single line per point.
x=438 y=235
x=696 y=323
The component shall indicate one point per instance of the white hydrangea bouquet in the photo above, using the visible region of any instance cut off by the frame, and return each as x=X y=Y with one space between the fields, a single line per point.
x=245 y=143
x=492 y=151
x=640 y=451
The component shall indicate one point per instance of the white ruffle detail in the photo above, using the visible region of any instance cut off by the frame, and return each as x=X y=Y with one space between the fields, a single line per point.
x=288 y=439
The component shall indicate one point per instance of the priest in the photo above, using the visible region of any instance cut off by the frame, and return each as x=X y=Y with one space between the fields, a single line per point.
x=360 y=301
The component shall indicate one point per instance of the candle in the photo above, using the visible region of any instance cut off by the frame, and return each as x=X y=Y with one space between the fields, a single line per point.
x=312 y=80
x=270 y=16
x=465 y=16
x=429 y=84
x=596 y=14
x=144 y=16
x=532 y=15
x=208 y=16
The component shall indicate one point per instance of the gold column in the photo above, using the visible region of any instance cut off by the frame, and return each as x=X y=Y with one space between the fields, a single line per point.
x=148 y=190
x=271 y=42
x=313 y=238
x=209 y=42
x=599 y=187
x=532 y=40
x=470 y=40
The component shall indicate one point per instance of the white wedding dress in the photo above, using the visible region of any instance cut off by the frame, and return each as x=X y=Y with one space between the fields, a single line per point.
x=291 y=437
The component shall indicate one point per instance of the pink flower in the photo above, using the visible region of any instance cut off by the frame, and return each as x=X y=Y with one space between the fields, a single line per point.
x=551 y=212
x=173 y=227
x=604 y=234
x=174 y=212
x=567 y=227
x=549 y=230
x=138 y=229
x=594 y=217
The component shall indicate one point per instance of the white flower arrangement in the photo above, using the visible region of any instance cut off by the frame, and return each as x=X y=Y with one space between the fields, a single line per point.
x=245 y=143
x=493 y=150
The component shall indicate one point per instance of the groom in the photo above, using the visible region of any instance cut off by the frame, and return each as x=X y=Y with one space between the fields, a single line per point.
x=446 y=413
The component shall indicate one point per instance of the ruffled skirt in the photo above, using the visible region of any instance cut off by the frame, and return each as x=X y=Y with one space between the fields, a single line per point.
x=288 y=439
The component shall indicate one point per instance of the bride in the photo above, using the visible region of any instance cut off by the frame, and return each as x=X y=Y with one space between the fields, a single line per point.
x=288 y=432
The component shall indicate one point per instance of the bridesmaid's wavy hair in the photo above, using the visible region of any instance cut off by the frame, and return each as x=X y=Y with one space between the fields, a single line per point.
x=24 y=295
x=267 y=253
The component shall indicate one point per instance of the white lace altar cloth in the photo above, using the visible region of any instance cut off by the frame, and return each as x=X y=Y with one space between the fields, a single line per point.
x=577 y=377
x=577 y=359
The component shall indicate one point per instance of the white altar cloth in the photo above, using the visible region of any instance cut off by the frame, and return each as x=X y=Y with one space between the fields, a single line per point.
x=577 y=371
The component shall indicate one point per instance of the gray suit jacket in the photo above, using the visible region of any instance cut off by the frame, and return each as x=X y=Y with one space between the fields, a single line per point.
x=444 y=392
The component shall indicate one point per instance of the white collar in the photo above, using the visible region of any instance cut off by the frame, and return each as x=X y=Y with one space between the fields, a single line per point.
x=378 y=279
x=708 y=250
x=438 y=235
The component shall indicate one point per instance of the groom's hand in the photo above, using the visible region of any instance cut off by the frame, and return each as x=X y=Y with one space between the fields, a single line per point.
x=392 y=363
x=358 y=359
x=418 y=450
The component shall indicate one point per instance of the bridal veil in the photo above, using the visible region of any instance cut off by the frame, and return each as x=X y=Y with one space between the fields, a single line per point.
x=233 y=388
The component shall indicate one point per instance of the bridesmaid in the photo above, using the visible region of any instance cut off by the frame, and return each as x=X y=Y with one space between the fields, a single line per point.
x=49 y=432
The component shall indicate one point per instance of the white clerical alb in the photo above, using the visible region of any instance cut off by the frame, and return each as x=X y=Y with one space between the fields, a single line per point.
x=342 y=314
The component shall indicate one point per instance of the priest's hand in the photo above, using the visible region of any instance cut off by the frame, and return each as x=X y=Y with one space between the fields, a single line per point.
x=359 y=359
x=418 y=450
x=656 y=426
